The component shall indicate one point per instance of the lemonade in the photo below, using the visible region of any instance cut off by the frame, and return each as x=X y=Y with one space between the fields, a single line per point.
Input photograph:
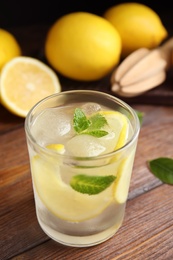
x=81 y=146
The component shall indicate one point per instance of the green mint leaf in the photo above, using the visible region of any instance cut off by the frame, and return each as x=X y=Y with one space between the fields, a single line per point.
x=80 y=121
x=97 y=121
x=162 y=168
x=96 y=133
x=91 y=185
x=91 y=126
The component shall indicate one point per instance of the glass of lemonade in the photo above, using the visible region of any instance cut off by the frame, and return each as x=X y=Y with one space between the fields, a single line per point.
x=81 y=147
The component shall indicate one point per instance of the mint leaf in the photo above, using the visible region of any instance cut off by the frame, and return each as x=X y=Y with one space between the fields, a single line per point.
x=97 y=121
x=91 y=185
x=96 y=133
x=91 y=126
x=80 y=121
x=162 y=168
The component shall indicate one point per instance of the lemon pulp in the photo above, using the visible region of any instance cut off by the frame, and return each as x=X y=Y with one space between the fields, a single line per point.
x=24 y=81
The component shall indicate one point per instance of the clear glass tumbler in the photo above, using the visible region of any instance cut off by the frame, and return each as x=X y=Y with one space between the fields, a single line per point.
x=81 y=147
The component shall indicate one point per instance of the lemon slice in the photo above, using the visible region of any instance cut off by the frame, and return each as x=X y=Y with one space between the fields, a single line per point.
x=119 y=125
x=122 y=183
x=117 y=121
x=56 y=147
x=24 y=81
x=61 y=199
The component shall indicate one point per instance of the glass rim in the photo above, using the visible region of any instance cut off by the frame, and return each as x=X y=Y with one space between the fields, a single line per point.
x=77 y=158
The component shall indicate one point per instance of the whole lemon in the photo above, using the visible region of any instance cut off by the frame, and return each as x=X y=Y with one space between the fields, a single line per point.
x=9 y=47
x=138 y=25
x=83 y=46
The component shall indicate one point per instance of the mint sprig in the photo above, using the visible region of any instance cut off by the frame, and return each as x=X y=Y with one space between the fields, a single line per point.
x=91 y=126
x=80 y=121
x=91 y=185
x=162 y=168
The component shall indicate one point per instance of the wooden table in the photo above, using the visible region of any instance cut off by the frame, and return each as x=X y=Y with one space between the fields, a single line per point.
x=147 y=230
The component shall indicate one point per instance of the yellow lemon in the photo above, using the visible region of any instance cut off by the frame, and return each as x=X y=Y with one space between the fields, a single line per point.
x=24 y=81
x=83 y=46
x=138 y=25
x=9 y=47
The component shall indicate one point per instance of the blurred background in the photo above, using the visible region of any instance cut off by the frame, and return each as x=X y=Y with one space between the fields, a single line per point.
x=21 y=13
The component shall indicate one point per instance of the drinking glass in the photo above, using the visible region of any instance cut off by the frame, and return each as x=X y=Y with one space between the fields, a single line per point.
x=80 y=196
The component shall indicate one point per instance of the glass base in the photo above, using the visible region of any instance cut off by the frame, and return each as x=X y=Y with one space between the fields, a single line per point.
x=79 y=241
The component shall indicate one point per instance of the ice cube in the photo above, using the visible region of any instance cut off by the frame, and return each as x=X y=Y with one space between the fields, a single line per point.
x=53 y=126
x=91 y=108
x=84 y=146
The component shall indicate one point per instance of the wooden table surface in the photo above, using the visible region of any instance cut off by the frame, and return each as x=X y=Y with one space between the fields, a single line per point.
x=147 y=230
